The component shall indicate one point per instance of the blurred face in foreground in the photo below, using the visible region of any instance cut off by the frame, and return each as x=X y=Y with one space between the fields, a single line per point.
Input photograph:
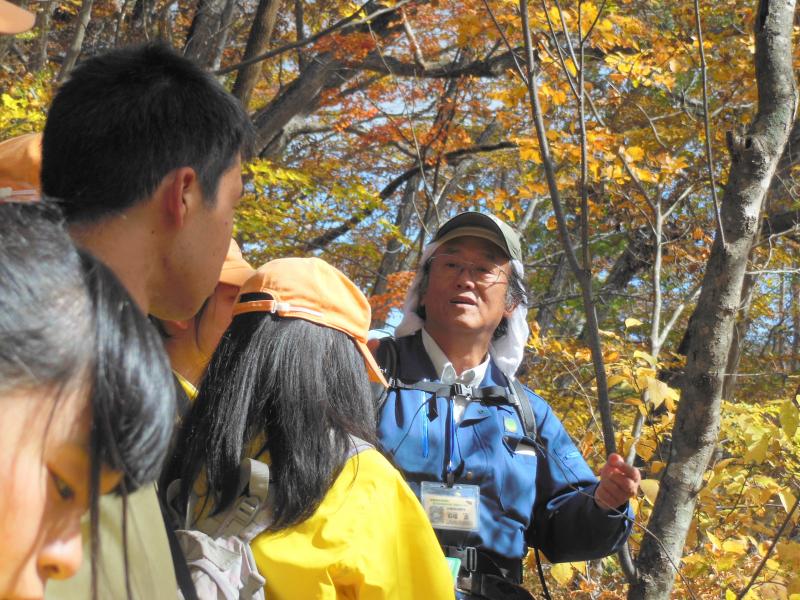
x=44 y=487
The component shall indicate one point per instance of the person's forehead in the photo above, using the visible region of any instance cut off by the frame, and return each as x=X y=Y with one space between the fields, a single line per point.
x=471 y=244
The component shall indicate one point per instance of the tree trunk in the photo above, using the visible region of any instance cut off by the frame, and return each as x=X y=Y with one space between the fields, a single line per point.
x=739 y=333
x=780 y=339
x=300 y=32
x=201 y=42
x=754 y=159
x=75 y=46
x=392 y=258
x=226 y=19
x=546 y=314
x=795 y=294
x=39 y=56
x=298 y=100
x=142 y=21
x=637 y=256
x=257 y=43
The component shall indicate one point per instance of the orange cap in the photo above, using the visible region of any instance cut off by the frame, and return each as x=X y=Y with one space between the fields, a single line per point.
x=13 y=19
x=235 y=270
x=20 y=165
x=311 y=289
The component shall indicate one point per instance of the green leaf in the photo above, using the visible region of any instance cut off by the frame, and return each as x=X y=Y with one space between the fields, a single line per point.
x=650 y=489
x=562 y=573
x=645 y=357
x=757 y=453
x=790 y=418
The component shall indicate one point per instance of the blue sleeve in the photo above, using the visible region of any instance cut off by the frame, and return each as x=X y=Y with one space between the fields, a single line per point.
x=566 y=524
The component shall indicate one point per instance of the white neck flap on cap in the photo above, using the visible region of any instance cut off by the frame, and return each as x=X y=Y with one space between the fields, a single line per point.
x=506 y=351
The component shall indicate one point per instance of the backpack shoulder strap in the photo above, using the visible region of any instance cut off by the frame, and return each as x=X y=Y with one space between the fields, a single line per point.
x=524 y=407
x=182 y=574
x=386 y=356
x=250 y=513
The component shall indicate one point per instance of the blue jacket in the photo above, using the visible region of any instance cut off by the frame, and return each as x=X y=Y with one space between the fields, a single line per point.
x=532 y=492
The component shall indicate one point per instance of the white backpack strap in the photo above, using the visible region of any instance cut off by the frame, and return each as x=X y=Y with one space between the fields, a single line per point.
x=214 y=560
x=256 y=474
x=246 y=518
x=252 y=581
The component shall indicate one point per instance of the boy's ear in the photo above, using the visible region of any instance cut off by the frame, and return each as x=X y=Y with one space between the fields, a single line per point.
x=180 y=194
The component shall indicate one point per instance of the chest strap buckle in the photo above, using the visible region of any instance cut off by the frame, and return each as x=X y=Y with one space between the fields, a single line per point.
x=468 y=556
x=459 y=389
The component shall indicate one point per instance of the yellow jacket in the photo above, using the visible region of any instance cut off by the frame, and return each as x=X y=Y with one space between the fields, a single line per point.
x=368 y=540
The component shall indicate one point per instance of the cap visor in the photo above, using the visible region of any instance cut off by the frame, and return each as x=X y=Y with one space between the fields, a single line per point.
x=14 y=19
x=374 y=371
x=236 y=275
x=478 y=232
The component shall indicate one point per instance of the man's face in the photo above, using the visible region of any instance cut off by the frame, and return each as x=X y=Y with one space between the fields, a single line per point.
x=463 y=294
x=197 y=258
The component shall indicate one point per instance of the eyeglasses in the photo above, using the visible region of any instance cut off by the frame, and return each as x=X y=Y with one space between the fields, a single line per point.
x=449 y=266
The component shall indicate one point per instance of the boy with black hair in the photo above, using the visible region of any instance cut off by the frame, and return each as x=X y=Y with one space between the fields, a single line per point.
x=142 y=150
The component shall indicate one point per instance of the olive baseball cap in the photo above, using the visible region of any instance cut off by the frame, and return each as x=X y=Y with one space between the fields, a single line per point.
x=483 y=226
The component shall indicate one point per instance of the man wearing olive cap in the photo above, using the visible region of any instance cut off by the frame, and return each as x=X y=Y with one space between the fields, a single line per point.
x=491 y=463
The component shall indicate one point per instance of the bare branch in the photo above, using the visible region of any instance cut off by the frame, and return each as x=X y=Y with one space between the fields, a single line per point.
x=709 y=155
x=412 y=40
x=517 y=66
x=492 y=67
x=329 y=236
x=775 y=539
x=349 y=22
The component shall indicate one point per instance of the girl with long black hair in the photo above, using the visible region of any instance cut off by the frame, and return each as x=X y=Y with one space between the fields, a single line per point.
x=287 y=384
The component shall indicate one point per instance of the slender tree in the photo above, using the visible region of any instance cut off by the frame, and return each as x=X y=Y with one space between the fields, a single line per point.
x=754 y=158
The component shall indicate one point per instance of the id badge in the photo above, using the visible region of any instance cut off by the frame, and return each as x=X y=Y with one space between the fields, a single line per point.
x=451 y=507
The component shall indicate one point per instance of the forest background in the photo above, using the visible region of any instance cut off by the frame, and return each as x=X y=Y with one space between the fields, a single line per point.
x=648 y=152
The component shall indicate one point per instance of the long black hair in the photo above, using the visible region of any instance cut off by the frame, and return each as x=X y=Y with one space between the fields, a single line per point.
x=67 y=324
x=289 y=386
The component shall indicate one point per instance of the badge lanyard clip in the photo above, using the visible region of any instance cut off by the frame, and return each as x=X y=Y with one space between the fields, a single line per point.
x=451 y=429
x=425 y=419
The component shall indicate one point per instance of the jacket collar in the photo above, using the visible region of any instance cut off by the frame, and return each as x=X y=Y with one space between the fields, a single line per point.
x=414 y=364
